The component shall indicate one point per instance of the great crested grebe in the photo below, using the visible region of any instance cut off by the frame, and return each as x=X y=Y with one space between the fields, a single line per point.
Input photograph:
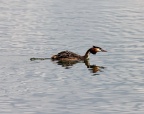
x=70 y=56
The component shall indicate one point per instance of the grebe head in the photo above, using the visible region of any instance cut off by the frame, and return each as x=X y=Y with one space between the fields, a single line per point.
x=96 y=49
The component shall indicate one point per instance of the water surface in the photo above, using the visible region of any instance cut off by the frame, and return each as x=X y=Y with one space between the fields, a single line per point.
x=42 y=28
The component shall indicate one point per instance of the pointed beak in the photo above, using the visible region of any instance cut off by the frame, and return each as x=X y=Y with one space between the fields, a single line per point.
x=103 y=50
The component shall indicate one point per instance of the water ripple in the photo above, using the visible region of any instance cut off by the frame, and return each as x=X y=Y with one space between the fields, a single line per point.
x=111 y=83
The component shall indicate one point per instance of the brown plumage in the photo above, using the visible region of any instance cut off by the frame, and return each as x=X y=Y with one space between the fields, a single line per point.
x=68 y=55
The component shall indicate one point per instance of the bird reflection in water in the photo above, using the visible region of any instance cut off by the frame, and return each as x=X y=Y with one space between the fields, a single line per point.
x=92 y=68
x=68 y=64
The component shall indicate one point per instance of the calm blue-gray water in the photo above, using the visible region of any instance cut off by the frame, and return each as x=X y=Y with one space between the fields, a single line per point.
x=111 y=83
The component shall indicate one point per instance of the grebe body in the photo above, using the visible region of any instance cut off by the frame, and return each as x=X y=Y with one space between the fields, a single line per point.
x=68 y=55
